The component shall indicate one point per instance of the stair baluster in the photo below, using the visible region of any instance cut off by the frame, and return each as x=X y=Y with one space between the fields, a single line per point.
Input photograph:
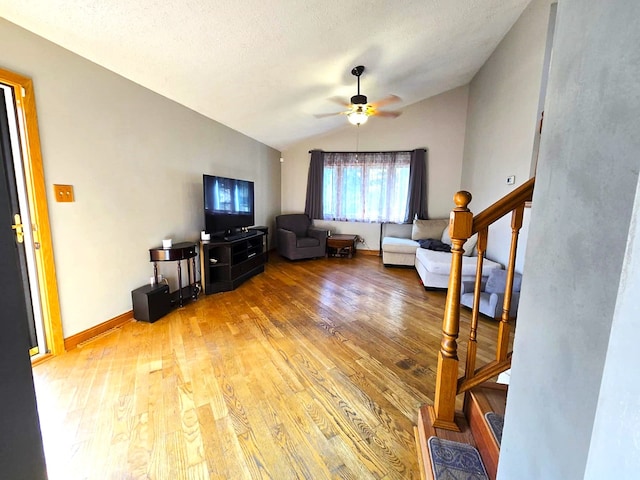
x=472 y=347
x=505 y=327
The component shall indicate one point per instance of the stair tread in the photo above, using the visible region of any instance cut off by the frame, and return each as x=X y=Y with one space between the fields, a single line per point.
x=488 y=398
x=425 y=429
x=455 y=460
x=491 y=397
x=495 y=422
x=485 y=398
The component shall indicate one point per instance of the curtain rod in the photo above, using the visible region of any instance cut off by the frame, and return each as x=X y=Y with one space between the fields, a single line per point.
x=388 y=151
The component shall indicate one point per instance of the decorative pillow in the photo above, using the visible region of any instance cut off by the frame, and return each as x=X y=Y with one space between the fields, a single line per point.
x=423 y=229
x=468 y=246
x=445 y=238
x=497 y=281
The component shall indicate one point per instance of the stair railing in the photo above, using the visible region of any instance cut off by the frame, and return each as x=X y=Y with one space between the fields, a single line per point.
x=462 y=225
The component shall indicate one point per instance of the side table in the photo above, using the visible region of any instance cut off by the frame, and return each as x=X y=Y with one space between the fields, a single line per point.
x=341 y=245
x=176 y=253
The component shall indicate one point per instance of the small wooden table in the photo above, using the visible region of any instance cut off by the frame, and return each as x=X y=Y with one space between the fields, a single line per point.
x=176 y=253
x=342 y=245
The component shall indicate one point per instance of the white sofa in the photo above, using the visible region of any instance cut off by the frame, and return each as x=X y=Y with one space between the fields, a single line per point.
x=400 y=247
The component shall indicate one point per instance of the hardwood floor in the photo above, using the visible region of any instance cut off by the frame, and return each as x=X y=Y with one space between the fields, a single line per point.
x=314 y=369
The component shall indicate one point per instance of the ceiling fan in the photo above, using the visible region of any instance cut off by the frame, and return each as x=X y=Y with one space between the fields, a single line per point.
x=359 y=110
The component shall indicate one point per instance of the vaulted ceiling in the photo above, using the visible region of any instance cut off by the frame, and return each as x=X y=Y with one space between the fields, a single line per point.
x=265 y=68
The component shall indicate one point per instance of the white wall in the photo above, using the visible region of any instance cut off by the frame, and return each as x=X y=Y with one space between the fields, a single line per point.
x=437 y=124
x=615 y=443
x=136 y=161
x=502 y=121
x=573 y=396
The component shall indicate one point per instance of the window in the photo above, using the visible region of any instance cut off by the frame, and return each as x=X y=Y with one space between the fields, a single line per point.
x=366 y=187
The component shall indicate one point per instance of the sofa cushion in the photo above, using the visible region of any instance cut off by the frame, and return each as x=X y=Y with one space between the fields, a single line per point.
x=303 y=242
x=440 y=263
x=423 y=229
x=468 y=246
x=399 y=230
x=399 y=245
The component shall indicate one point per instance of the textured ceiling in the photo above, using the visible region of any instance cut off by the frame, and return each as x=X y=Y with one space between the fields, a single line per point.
x=265 y=68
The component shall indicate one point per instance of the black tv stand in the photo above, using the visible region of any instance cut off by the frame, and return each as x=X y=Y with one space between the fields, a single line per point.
x=236 y=236
x=225 y=264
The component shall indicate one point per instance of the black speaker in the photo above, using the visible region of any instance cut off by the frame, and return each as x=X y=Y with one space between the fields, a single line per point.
x=151 y=302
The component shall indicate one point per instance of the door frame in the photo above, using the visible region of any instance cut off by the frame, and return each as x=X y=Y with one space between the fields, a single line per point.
x=37 y=195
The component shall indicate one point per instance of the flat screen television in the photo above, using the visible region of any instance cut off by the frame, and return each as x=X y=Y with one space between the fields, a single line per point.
x=228 y=204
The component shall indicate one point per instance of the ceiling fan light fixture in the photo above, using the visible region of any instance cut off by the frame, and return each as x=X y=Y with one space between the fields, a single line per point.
x=358 y=116
x=359 y=110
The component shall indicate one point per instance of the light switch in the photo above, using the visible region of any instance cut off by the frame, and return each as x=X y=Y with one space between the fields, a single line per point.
x=64 y=193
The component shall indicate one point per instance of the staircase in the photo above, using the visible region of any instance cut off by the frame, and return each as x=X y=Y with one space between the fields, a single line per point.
x=475 y=429
x=471 y=429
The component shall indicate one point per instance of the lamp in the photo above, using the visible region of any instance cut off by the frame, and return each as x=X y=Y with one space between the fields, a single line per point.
x=358 y=115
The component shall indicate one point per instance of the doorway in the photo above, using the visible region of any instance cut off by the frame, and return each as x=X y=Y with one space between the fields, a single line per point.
x=25 y=179
x=16 y=191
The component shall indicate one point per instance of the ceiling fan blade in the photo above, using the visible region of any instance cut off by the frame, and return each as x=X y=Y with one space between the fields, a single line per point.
x=340 y=101
x=323 y=115
x=389 y=114
x=385 y=101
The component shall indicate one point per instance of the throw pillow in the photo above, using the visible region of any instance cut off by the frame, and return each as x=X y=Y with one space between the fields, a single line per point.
x=468 y=246
x=423 y=229
x=445 y=236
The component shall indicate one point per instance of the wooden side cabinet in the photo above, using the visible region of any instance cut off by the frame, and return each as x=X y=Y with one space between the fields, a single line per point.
x=225 y=265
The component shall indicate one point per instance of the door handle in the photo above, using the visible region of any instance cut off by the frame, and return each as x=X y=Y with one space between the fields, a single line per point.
x=17 y=226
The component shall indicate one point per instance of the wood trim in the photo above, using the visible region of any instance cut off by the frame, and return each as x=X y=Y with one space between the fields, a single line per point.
x=374 y=253
x=425 y=430
x=72 y=342
x=421 y=464
x=42 y=358
x=36 y=191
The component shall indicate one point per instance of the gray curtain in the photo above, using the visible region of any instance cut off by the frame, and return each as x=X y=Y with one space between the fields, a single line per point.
x=417 y=198
x=313 y=204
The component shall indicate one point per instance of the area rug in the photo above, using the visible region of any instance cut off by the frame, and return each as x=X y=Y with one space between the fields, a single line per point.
x=455 y=461
x=496 y=424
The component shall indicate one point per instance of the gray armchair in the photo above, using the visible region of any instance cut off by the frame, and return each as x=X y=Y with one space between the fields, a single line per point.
x=297 y=239
x=492 y=294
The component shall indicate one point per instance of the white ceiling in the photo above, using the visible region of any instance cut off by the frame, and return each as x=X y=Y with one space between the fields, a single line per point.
x=265 y=68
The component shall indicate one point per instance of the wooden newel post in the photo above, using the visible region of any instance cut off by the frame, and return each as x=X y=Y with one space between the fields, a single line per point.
x=460 y=229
